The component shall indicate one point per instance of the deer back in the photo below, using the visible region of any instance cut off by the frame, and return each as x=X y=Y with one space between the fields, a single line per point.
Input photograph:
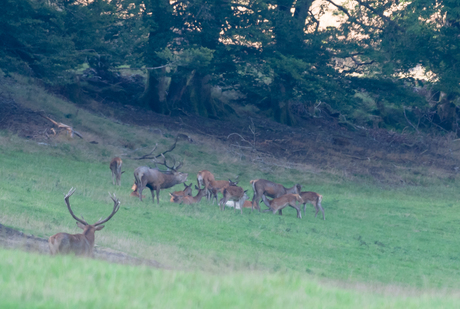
x=233 y=192
x=163 y=180
x=204 y=178
x=311 y=197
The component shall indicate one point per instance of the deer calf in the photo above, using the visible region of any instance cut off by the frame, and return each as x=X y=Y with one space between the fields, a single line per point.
x=219 y=186
x=79 y=244
x=204 y=178
x=115 y=167
x=265 y=187
x=314 y=199
x=233 y=193
x=281 y=202
x=177 y=196
x=134 y=191
x=187 y=199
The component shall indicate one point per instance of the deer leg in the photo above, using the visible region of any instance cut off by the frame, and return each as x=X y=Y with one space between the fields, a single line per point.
x=234 y=206
x=152 y=190
x=158 y=195
x=255 y=199
x=299 y=212
x=322 y=210
x=139 y=190
x=113 y=178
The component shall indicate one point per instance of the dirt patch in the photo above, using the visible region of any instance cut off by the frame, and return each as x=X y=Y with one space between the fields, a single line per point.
x=14 y=239
x=21 y=121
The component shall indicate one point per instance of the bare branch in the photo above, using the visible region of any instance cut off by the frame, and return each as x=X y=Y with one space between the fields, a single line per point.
x=407 y=119
x=60 y=125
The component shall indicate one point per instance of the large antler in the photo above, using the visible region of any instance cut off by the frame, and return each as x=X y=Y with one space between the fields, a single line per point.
x=150 y=156
x=173 y=168
x=66 y=198
x=116 y=206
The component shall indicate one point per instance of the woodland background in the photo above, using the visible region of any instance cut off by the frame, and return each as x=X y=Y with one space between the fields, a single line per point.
x=214 y=58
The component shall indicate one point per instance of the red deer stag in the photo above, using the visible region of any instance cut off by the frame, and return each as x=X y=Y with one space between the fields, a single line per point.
x=233 y=193
x=155 y=179
x=314 y=199
x=187 y=199
x=279 y=203
x=265 y=187
x=80 y=244
x=115 y=167
x=177 y=196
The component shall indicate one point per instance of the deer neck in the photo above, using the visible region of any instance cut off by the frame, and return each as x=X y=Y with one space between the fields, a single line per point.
x=89 y=235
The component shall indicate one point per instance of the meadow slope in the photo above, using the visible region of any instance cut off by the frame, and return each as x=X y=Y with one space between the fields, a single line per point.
x=379 y=246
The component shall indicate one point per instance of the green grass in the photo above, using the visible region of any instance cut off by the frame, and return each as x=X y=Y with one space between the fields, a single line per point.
x=402 y=236
x=375 y=240
x=68 y=282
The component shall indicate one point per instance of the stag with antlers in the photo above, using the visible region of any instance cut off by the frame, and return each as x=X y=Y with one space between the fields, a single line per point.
x=154 y=179
x=79 y=244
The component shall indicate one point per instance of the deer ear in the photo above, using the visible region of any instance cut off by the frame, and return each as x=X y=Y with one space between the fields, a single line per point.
x=80 y=225
x=99 y=227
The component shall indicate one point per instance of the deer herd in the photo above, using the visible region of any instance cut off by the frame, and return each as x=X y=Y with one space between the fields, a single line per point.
x=155 y=179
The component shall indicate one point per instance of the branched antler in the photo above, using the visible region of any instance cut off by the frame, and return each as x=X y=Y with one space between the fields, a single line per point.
x=149 y=155
x=66 y=198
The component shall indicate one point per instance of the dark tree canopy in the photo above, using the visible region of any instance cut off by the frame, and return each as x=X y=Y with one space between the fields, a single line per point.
x=273 y=53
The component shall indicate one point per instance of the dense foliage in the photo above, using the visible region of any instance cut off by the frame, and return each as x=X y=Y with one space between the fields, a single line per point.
x=274 y=54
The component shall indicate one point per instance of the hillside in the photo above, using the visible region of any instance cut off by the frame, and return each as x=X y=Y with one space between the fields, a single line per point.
x=389 y=238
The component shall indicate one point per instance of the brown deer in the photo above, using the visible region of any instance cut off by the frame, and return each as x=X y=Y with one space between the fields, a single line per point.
x=204 y=178
x=314 y=199
x=187 y=199
x=218 y=186
x=281 y=202
x=265 y=187
x=79 y=244
x=233 y=193
x=115 y=167
x=176 y=196
x=155 y=179
x=134 y=193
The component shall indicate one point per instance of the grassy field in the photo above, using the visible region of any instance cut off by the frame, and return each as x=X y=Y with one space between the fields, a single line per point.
x=34 y=281
x=379 y=246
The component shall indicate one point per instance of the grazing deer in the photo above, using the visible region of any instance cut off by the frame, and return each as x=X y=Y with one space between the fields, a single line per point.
x=314 y=199
x=247 y=204
x=176 y=196
x=115 y=167
x=135 y=193
x=204 y=178
x=80 y=244
x=233 y=193
x=265 y=187
x=155 y=179
x=187 y=199
x=279 y=203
